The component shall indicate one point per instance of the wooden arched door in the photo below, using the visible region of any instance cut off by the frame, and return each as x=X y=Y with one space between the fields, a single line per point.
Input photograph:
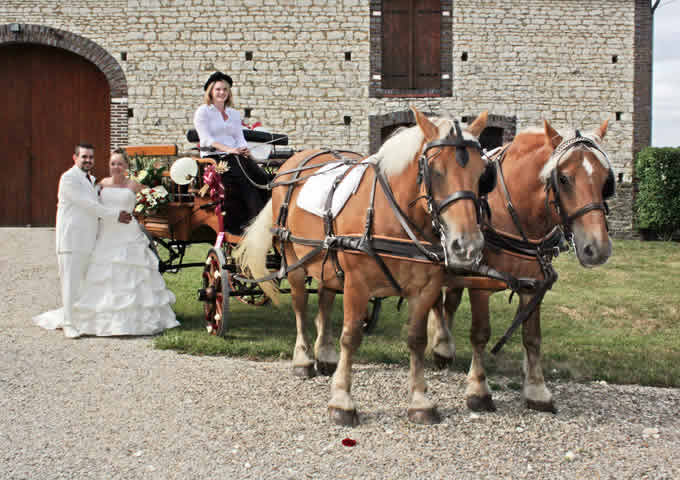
x=52 y=100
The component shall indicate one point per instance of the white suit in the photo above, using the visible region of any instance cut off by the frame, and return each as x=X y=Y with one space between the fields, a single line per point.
x=78 y=211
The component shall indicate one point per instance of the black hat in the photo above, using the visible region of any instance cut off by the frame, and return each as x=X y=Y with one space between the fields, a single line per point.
x=218 y=76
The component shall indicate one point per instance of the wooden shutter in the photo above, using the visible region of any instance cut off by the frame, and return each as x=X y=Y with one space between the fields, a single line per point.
x=427 y=40
x=411 y=44
x=396 y=44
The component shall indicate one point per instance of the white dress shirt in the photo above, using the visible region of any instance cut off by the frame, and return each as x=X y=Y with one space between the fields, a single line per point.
x=211 y=127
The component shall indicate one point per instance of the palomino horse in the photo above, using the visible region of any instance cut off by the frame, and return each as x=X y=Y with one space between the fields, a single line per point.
x=426 y=168
x=545 y=185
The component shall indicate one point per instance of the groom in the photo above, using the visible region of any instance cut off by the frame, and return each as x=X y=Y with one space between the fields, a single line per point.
x=77 y=212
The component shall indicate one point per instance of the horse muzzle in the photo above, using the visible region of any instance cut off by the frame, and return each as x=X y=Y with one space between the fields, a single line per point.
x=465 y=250
x=592 y=252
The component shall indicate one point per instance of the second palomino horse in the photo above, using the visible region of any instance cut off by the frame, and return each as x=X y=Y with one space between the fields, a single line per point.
x=546 y=185
x=415 y=209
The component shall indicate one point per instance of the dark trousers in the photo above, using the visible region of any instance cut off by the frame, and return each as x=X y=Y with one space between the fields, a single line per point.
x=243 y=201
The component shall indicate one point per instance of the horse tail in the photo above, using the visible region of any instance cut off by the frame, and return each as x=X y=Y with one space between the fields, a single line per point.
x=251 y=252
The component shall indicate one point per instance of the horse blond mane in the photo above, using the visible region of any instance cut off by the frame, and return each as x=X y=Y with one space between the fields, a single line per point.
x=553 y=161
x=396 y=154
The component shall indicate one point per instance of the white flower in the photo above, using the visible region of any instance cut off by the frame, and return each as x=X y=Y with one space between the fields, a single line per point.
x=159 y=192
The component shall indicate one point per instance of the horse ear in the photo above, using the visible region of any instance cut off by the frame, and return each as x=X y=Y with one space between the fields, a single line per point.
x=430 y=131
x=602 y=131
x=552 y=138
x=478 y=126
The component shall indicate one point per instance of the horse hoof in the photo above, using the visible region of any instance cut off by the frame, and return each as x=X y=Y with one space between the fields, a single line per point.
x=304 y=372
x=326 y=368
x=442 y=363
x=542 y=406
x=428 y=416
x=480 y=404
x=344 y=418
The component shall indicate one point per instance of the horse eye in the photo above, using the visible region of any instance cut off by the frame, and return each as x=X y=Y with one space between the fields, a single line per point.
x=436 y=173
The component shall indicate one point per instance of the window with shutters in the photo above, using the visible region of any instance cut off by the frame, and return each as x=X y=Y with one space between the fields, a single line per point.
x=411 y=48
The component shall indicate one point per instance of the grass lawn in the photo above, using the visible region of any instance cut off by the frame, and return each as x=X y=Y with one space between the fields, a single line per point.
x=619 y=322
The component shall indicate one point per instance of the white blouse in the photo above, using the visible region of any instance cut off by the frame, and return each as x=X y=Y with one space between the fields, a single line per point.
x=211 y=127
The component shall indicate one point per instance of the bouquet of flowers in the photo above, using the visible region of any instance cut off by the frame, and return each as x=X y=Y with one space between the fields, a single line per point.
x=150 y=198
x=146 y=171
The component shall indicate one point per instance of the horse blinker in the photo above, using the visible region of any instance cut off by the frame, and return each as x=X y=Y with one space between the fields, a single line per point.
x=487 y=182
x=609 y=187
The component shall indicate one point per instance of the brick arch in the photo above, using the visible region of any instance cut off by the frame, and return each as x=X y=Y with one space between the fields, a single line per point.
x=86 y=48
x=17 y=33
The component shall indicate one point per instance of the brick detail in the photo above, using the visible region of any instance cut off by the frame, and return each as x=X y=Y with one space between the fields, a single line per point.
x=119 y=123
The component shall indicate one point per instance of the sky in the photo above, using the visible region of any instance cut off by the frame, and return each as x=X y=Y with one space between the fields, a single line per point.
x=666 y=75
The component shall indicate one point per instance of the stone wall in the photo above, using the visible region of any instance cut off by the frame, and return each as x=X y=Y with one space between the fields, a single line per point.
x=572 y=62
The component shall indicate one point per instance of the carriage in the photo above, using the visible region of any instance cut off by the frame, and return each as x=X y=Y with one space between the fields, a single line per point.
x=195 y=214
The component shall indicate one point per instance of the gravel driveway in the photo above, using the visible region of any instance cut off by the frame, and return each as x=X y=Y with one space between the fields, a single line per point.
x=113 y=408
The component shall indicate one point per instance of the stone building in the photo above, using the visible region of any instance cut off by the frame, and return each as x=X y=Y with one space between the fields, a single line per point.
x=131 y=72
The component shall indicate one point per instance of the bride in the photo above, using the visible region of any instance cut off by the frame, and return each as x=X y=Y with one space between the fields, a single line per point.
x=123 y=293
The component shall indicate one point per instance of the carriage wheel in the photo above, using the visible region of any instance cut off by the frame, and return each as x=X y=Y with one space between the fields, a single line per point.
x=215 y=293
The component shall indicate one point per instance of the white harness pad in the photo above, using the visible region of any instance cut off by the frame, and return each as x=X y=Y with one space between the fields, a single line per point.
x=314 y=193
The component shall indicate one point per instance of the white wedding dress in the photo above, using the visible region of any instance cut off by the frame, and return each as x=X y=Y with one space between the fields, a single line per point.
x=123 y=294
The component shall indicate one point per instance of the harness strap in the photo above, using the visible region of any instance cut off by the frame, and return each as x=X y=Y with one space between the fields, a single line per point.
x=367 y=239
x=328 y=225
x=524 y=313
x=506 y=193
x=403 y=219
x=282 y=272
x=339 y=162
x=459 y=195
x=503 y=241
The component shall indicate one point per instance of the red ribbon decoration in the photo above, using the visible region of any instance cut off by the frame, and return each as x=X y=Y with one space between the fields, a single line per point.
x=214 y=182
x=251 y=127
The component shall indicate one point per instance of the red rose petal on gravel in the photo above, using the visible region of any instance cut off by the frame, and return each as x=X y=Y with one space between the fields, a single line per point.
x=348 y=442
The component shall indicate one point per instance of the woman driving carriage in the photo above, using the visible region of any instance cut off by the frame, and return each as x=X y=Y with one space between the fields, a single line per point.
x=219 y=129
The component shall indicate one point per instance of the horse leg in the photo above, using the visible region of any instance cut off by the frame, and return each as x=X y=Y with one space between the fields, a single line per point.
x=478 y=394
x=535 y=393
x=439 y=325
x=324 y=347
x=303 y=365
x=341 y=407
x=421 y=409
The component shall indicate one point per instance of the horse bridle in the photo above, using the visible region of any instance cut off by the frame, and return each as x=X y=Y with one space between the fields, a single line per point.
x=553 y=184
x=462 y=158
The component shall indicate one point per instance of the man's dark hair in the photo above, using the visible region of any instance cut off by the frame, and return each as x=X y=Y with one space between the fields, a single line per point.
x=88 y=146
